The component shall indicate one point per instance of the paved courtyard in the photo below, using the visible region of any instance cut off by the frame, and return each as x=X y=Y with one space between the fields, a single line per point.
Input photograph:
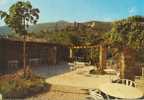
x=62 y=75
x=80 y=78
x=71 y=85
x=67 y=84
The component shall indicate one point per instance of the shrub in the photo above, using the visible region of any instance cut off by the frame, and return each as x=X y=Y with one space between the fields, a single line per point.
x=98 y=72
x=93 y=71
x=20 y=87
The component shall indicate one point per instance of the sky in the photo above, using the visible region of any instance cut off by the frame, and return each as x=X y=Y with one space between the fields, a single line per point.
x=82 y=10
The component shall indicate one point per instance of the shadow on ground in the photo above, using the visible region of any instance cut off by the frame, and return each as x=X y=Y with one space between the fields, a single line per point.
x=51 y=70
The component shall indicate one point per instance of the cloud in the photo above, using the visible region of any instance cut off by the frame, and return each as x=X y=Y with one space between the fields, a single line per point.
x=132 y=11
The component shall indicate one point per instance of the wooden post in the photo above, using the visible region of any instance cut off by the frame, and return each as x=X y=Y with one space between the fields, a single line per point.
x=70 y=53
x=24 y=54
x=55 y=55
x=102 y=56
x=91 y=53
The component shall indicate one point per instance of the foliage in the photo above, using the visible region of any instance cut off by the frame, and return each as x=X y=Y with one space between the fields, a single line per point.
x=140 y=55
x=127 y=32
x=94 y=55
x=62 y=38
x=127 y=36
x=20 y=15
x=14 y=86
x=97 y=72
x=82 y=39
x=81 y=33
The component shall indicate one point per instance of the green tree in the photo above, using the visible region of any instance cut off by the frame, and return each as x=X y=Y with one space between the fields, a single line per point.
x=127 y=35
x=99 y=41
x=19 y=16
x=60 y=37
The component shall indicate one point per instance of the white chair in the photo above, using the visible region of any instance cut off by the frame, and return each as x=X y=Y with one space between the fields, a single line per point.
x=126 y=82
x=71 y=66
x=95 y=97
x=0 y=96
x=95 y=94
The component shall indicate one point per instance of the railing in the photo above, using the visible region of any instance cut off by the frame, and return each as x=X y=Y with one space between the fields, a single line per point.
x=12 y=64
x=34 y=61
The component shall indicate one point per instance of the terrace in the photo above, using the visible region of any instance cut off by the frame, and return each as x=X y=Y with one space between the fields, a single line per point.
x=74 y=83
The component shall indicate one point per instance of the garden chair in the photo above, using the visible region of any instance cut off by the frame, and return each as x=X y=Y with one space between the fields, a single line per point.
x=95 y=94
x=0 y=96
x=126 y=82
x=72 y=66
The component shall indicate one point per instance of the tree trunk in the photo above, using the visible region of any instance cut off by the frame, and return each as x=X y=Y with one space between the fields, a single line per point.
x=122 y=65
x=24 y=54
x=127 y=63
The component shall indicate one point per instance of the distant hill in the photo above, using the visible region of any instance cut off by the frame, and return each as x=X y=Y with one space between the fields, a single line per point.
x=4 y=30
x=98 y=26
x=50 y=26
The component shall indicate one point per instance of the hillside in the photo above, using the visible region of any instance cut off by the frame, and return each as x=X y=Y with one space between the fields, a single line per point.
x=99 y=27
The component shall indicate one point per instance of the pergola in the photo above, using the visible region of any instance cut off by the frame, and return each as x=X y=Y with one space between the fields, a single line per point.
x=102 y=52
